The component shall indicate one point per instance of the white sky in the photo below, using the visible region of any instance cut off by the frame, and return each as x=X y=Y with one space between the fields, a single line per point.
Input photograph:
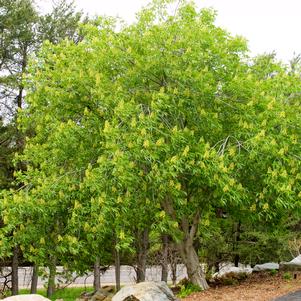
x=267 y=24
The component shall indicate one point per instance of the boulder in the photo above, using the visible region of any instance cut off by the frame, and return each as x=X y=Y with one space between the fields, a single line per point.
x=145 y=291
x=289 y=267
x=232 y=270
x=292 y=266
x=266 y=267
x=103 y=294
x=296 y=260
x=28 y=297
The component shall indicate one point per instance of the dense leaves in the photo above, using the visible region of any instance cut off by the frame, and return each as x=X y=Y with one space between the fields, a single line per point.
x=154 y=126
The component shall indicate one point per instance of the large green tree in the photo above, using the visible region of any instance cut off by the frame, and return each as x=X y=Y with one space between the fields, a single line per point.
x=22 y=31
x=155 y=124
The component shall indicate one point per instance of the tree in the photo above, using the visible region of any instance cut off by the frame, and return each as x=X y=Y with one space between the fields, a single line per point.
x=61 y=23
x=157 y=124
x=23 y=30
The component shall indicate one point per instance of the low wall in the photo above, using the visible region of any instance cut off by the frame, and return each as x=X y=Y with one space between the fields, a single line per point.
x=127 y=276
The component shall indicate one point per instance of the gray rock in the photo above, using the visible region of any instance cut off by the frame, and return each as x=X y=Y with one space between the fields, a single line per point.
x=28 y=297
x=296 y=260
x=145 y=291
x=293 y=265
x=289 y=267
x=266 y=267
x=232 y=270
x=102 y=295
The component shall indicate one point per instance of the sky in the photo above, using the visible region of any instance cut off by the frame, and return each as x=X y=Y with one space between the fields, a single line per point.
x=268 y=25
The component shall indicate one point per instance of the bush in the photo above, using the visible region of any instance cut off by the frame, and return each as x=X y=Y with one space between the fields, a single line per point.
x=287 y=276
x=273 y=272
x=187 y=288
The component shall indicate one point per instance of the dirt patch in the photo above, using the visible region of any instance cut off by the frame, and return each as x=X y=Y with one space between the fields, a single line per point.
x=259 y=287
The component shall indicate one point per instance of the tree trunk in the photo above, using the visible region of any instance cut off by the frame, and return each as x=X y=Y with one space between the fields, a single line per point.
x=190 y=258
x=34 y=279
x=164 y=262
x=142 y=248
x=186 y=249
x=96 y=283
x=173 y=266
x=15 y=266
x=117 y=269
x=21 y=86
x=51 y=278
x=236 y=242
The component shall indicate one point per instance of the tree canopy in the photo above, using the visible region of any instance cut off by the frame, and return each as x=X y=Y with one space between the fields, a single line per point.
x=152 y=127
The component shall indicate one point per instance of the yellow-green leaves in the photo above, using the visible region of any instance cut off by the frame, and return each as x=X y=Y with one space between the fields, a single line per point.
x=142 y=126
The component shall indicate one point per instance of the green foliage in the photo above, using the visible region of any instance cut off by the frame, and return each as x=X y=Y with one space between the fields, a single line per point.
x=287 y=276
x=187 y=289
x=18 y=19
x=23 y=31
x=61 y=23
x=264 y=245
x=8 y=147
x=67 y=294
x=154 y=126
x=273 y=272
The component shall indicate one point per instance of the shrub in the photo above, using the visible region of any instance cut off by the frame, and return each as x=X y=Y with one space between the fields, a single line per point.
x=287 y=276
x=273 y=272
x=187 y=288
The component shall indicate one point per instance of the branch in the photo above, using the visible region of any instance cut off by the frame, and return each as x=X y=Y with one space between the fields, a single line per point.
x=222 y=148
x=167 y=206
x=195 y=224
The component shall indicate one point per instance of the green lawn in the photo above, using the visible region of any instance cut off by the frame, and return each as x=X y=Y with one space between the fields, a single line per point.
x=68 y=294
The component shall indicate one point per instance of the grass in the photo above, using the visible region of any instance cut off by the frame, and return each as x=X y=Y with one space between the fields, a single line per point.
x=67 y=294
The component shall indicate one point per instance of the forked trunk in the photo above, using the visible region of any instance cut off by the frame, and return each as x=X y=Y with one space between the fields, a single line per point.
x=185 y=247
x=191 y=260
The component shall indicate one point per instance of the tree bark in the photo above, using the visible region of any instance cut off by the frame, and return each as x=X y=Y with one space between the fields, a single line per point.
x=34 y=279
x=96 y=283
x=117 y=269
x=235 y=244
x=164 y=263
x=21 y=86
x=173 y=260
x=186 y=249
x=142 y=248
x=191 y=260
x=51 y=278
x=173 y=266
x=15 y=267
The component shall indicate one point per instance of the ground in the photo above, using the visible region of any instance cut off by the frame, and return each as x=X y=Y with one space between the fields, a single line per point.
x=258 y=287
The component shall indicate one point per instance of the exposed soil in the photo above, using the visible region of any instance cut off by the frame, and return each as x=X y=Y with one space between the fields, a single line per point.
x=258 y=287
